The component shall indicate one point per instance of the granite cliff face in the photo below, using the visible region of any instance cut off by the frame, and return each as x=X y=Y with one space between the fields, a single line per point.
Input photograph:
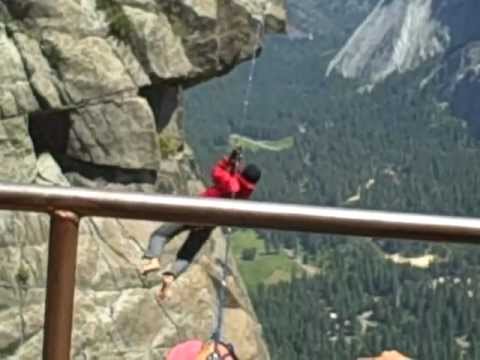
x=91 y=95
x=400 y=35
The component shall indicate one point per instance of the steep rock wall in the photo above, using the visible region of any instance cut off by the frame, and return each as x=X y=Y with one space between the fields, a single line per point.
x=400 y=35
x=91 y=95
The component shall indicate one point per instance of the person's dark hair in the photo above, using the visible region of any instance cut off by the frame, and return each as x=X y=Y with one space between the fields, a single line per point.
x=252 y=173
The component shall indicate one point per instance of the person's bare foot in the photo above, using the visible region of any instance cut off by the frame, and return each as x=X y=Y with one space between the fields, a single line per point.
x=149 y=266
x=165 y=292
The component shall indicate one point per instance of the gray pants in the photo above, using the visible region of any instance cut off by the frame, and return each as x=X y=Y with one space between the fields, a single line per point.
x=195 y=240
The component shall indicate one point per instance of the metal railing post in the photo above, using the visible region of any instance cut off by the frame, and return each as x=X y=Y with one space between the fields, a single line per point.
x=62 y=260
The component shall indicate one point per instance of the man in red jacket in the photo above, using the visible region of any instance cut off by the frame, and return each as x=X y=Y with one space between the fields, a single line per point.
x=229 y=182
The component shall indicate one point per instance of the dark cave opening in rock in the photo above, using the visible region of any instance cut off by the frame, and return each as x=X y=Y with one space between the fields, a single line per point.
x=164 y=100
x=50 y=131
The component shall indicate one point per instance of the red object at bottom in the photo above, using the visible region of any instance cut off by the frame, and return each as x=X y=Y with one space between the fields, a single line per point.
x=185 y=351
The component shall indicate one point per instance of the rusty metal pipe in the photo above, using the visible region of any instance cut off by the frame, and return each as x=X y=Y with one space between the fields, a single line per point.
x=206 y=211
x=62 y=260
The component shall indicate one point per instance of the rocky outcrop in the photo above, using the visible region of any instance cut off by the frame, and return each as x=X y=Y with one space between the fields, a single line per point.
x=91 y=95
x=91 y=58
x=399 y=35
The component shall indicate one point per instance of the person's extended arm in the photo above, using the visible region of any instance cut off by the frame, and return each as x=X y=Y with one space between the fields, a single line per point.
x=223 y=174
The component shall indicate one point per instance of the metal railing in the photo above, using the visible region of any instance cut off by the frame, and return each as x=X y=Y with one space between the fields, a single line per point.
x=67 y=206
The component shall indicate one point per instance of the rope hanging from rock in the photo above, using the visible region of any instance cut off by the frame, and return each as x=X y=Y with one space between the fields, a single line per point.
x=251 y=74
x=217 y=333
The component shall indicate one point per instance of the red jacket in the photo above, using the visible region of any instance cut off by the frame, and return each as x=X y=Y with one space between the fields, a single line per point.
x=227 y=184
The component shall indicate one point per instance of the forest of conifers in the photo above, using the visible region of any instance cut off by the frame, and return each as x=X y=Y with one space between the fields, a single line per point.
x=394 y=148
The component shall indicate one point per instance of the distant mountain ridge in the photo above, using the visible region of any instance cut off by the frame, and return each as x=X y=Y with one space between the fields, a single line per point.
x=400 y=35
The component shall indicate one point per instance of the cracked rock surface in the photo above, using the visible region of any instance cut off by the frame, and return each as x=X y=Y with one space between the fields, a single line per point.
x=91 y=95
